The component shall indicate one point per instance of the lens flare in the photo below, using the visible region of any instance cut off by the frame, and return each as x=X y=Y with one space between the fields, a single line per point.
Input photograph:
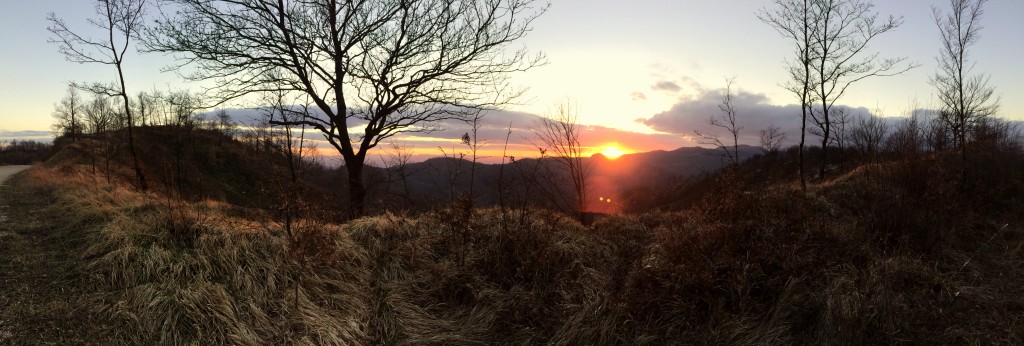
x=612 y=152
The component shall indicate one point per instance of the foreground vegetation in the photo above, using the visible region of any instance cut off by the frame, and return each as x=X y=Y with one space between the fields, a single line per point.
x=895 y=251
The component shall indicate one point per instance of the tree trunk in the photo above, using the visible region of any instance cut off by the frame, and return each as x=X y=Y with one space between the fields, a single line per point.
x=356 y=187
x=826 y=132
x=135 y=159
x=131 y=137
x=803 y=137
x=824 y=154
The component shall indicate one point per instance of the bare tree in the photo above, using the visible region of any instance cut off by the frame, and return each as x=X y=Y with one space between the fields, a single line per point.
x=100 y=120
x=840 y=133
x=843 y=30
x=771 y=139
x=288 y=141
x=472 y=139
x=120 y=20
x=501 y=169
x=145 y=105
x=966 y=97
x=559 y=134
x=277 y=110
x=939 y=136
x=868 y=135
x=795 y=20
x=224 y=123
x=179 y=108
x=727 y=121
x=67 y=114
x=908 y=136
x=453 y=161
x=99 y=114
x=381 y=67
x=397 y=162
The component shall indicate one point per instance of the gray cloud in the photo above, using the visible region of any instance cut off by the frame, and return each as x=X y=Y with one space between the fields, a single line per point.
x=668 y=86
x=35 y=135
x=754 y=113
x=638 y=96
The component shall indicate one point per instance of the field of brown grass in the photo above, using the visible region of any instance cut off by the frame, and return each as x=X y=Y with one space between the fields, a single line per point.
x=883 y=254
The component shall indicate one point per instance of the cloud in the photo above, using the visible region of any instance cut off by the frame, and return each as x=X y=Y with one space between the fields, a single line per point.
x=638 y=96
x=668 y=86
x=754 y=113
x=522 y=142
x=35 y=135
x=493 y=130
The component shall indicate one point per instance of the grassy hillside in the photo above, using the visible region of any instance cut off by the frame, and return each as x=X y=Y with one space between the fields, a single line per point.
x=891 y=252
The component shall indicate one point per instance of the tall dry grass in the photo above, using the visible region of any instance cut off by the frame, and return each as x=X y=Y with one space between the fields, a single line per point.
x=227 y=281
x=872 y=256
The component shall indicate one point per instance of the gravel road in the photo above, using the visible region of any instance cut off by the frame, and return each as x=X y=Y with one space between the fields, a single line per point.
x=8 y=171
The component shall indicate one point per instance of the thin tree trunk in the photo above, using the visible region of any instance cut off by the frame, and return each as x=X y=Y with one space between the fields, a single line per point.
x=824 y=151
x=804 y=101
x=803 y=137
x=131 y=137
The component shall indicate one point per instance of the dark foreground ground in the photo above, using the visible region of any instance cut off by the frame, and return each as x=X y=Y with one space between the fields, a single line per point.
x=883 y=254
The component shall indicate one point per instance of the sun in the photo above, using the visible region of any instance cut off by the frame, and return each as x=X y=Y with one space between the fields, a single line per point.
x=612 y=152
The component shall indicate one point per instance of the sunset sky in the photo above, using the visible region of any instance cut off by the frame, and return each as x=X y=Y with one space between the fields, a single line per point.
x=645 y=73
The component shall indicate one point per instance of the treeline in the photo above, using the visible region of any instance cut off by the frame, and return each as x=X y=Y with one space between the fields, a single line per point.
x=865 y=139
x=392 y=97
x=95 y=113
x=23 y=152
x=921 y=139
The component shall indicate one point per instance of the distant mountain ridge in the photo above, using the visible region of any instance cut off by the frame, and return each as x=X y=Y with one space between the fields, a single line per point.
x=440 y=179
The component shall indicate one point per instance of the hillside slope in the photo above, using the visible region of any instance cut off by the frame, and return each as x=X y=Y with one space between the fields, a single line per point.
x=885 y=253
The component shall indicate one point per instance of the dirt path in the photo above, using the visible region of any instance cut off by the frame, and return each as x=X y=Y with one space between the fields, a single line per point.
x=8 y=171
x=38 y=285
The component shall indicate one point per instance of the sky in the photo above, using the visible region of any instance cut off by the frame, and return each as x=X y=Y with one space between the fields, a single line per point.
x=644 y=73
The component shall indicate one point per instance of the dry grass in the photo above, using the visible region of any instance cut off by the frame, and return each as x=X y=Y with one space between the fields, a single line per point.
x=872 y=256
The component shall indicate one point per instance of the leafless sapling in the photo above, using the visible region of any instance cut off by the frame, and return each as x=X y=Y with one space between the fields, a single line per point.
x=841 y=35
x=399 y=169
x=795 y=20
x=868 y=134
x=67 y=114
x=966 y=97
x=560 y=134
x=726 y=121
x=841 y=134
x=771 y=139
x=121 y=21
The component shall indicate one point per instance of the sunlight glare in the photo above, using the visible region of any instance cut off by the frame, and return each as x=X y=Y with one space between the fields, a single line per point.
x=612 y=152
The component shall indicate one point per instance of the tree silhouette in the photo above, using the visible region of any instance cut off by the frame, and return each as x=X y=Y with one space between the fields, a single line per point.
x=771 y=139
x=843 y=30
x=373 y=69
x=727 y=121
x=966 y=97
x=794 y=19
x=121 y=20
x=831 y=39
x=868 y=134
x=559 y=134
x=67 y=114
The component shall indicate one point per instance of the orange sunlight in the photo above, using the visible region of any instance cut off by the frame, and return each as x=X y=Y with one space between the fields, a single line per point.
x=612 y=151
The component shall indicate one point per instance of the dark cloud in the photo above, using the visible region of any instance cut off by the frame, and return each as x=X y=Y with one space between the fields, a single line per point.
x=754 y=113
x=668 y=86
x=35 y=135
